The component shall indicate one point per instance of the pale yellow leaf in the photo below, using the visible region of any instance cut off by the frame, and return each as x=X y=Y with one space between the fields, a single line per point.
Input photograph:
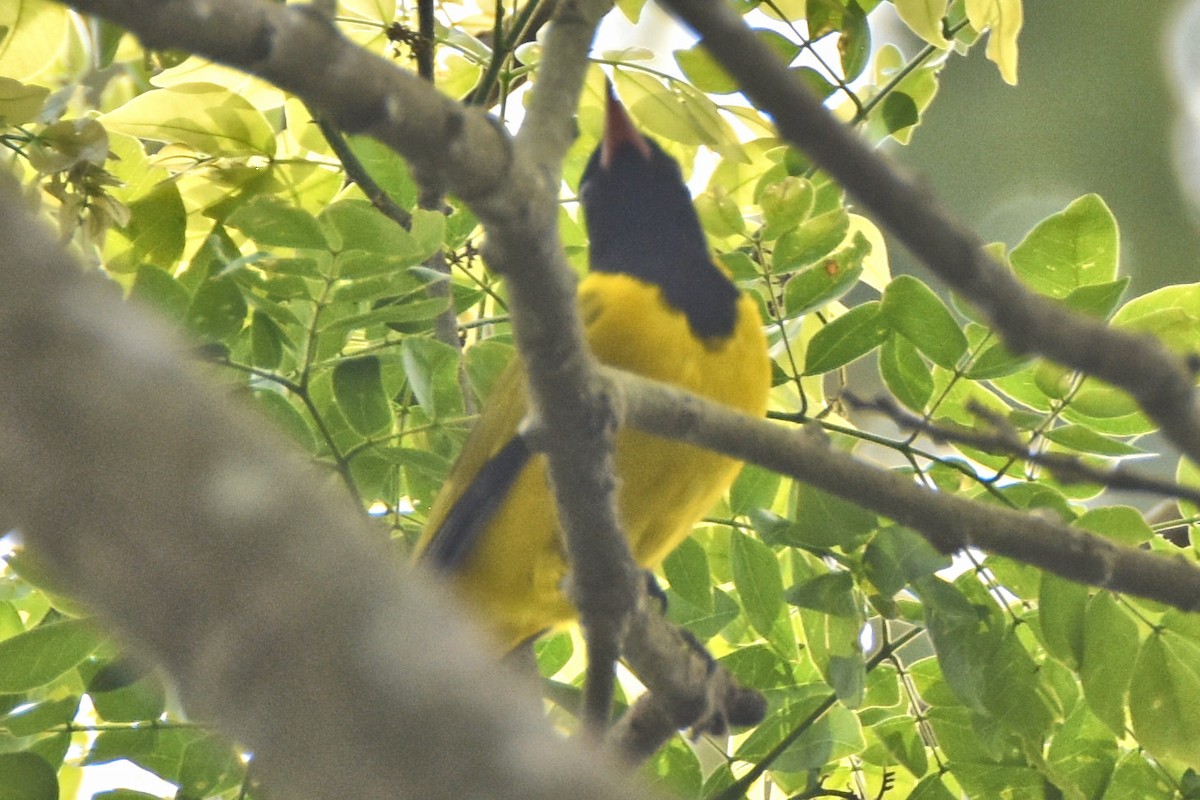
x=924 y=18
x=1003 y=19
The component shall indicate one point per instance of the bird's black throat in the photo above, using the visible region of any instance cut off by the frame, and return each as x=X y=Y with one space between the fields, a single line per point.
x=641 y=222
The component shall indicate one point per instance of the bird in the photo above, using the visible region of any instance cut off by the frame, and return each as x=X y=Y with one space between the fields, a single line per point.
x=653 y=303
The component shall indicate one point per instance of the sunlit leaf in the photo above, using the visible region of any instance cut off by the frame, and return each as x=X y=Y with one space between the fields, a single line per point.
x=1164 y=697
x=206 y=117
x=38 y=656
x=1076 y=247
x=850 y=336
x=924 y=18
x=1004 y=19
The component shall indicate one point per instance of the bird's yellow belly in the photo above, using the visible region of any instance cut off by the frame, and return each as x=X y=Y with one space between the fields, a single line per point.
x=515 y=574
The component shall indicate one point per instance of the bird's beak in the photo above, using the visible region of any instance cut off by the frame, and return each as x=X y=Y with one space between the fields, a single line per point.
x=619 y=130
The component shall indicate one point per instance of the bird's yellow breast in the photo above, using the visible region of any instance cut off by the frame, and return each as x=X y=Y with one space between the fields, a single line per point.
x=514 y=574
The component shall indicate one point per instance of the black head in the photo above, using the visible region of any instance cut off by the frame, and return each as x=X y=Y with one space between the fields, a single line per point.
x=641 y=222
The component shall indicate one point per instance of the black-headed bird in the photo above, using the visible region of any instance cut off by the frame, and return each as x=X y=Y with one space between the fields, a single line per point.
x=653 y=303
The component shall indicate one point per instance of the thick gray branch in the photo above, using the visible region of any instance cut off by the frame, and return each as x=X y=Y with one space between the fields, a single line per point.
x=242 y=568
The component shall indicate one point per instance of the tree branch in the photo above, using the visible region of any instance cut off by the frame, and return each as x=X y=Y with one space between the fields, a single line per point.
x=1161 y=382
x=512 y=187
x=224 y=557
x=950 y=523
x=1004 y=440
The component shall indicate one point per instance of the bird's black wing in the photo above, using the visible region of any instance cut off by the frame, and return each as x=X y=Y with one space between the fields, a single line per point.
x=474 y=509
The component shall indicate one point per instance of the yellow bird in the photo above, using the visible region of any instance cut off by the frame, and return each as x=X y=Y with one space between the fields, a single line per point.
x=653 y=303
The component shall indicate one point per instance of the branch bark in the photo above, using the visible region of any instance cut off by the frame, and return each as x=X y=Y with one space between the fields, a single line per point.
x=226 y=558
x=950 y=523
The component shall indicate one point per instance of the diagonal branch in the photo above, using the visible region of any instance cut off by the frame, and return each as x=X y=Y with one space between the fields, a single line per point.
x=1162 y=383
x=949 y=522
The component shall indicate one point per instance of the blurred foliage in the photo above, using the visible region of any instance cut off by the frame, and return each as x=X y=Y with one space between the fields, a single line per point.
x=213 y=199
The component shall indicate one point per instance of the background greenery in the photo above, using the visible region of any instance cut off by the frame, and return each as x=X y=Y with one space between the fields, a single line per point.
x=216 y=200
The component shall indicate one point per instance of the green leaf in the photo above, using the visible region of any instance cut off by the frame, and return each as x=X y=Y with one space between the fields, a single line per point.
x=756 y=576
x=824 y=520
x=432 y=370
x=817 y=83
x=1003 y=20
x=35 y=33
x=1073 y=248
x=486 y=362
x=124 y=691
x=996 y=362
x=286 y=416
x=357 y=225
x=755 y=487
x=700 y=69
x=427 y=230
x=784 y=204
x=19 y=103
x=1082 y=753
x=814 y=238
x=721 y=215
x=834 y=646
x=849 y=337
x=1061 y=607
x=387 y=168
x=932 y=788
x=703 y=623
x=156 y=289
x=924 y=18
x=271 y=222
x=676 y=770
x=854 y=45
x=358 y=390
x=203 y=116
x=1122 y=524
x=38 y=656
x=1171 y=313
x=830 y=593
x=391 y=314
x=154 y=234
x=821 y=284
x=25 y=776
x=659 y=110
x=266 y=341
x=553 y=652
x=1110 y=645
x=1097 y=300
x=905 y=373
x=687 y=570
x=1164 y=697
x=45 y=715
x=899 y=112
x=916 y=313
x=897 y=556
x=218 y=310
x=899 y=735
x=1137 y=778
x=832 y=735
x=207 y=767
